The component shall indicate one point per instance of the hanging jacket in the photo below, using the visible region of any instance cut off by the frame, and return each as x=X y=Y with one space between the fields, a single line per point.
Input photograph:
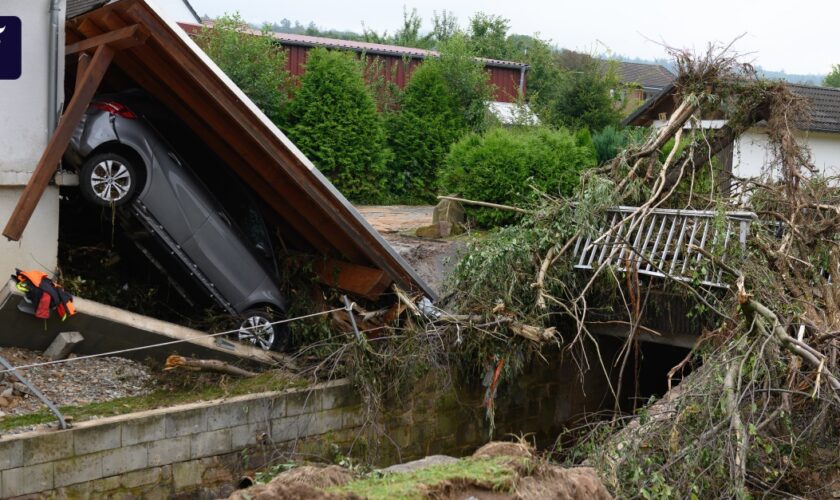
x=46 y=295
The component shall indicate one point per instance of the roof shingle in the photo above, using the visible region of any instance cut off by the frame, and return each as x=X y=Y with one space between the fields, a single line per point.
x=647 y=75
x=823 y=107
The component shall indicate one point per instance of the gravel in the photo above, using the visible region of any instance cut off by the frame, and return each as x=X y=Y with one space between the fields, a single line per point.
x=77 y=382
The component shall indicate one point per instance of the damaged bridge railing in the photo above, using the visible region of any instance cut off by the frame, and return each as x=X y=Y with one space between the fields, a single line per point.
x=665 y=242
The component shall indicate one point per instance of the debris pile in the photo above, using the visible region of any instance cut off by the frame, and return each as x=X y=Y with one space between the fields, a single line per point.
x=80 y=382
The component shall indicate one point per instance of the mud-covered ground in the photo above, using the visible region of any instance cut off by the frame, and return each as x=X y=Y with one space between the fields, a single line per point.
x=433 y=259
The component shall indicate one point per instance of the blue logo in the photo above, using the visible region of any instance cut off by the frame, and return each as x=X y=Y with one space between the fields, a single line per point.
x=10 y=48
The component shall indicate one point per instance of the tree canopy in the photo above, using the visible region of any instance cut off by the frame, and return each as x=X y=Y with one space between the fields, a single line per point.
x=335 y=123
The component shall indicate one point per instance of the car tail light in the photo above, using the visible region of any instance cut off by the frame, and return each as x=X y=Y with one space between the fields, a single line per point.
x=115 y=108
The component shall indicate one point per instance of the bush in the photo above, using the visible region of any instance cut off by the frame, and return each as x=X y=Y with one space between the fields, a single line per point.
x=466 y=80
x=502 y=165
x=609 y=141
x=336 y=125
x=254 y=63
x=428 y=122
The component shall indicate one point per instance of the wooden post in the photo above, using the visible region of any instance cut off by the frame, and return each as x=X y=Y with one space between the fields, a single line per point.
x=81 y=68
x=58 y=143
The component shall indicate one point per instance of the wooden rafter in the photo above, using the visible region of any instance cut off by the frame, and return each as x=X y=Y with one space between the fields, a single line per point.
x=58 y=143
x=122 y=38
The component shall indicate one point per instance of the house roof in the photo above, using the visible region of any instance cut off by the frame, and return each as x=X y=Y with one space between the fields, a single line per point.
x=367 y=47
x=823 y=107
x=653 y=76
x=79 y=7
x=312 y=214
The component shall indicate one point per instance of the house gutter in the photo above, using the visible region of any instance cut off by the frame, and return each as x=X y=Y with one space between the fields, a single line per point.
x=52 y=68
x=522 y=81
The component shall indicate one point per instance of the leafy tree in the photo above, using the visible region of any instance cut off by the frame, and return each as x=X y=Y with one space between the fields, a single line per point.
x=254 y=63
x=488 y=35
x=420 y=134
x=444 y=26
x=611 y=139
x=466 y=80
x=336 y=125
x=833 y=78
x=502 y=165
x=578 y=93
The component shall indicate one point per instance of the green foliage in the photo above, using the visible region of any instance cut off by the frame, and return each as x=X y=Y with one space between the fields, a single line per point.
x=502 y=165
x=420 y=134
x=488 y=35
x=611 y=139
x=254 y=63
x=336 y=125
x=466 y=80
x=573 y=90
x=833 y=78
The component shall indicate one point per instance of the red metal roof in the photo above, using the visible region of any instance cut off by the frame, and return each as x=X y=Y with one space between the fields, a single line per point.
x=371 y=48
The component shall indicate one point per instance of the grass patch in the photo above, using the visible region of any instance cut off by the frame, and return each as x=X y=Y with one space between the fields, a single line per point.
x=498 y=472
x=161 y=398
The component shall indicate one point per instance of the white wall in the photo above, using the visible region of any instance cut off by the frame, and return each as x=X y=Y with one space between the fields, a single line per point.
x=23 y=137
x=752 y=155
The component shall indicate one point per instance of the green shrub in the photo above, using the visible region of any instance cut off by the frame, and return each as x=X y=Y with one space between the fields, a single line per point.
x=254 y=63
x=466 y=80
x=335 y=123
x=503 y=164
x=421 y=132
x=610 y=140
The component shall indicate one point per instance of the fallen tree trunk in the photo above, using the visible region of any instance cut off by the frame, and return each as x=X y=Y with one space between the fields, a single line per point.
x=174 y=362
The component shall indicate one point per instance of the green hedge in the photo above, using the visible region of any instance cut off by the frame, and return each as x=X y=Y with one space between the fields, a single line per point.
x=501 y=165
x=335 y=123
x=421 y=132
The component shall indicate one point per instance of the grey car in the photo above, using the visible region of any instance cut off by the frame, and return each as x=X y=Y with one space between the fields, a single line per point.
x=123 y=160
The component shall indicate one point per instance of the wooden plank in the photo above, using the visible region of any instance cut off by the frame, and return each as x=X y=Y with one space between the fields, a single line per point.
x=58 y=143
x=81 y=68
x=355 y=279
x=122 y=38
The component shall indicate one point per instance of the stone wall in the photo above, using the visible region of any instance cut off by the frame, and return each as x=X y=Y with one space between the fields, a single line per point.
x=203 y=449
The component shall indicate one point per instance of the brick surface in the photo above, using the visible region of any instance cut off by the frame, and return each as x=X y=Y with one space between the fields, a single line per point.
x=226 y=415
x=286 y=429
x=124 y=459
x=77 y=470
x=186 y=422
x=141 y=430
x=97 y=438
x=248 y=435
x=140 y=477
x=302 y=401
x=167 y=451
x=210 y=443
x=186 y=474
x=24 y=480
x=48 y=447
x=11 y=454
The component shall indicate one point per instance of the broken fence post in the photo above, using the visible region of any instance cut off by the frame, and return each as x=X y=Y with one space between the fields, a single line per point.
x=63 y=345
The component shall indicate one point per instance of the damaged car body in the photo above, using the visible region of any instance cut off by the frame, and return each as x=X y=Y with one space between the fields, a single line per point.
x=218 y=237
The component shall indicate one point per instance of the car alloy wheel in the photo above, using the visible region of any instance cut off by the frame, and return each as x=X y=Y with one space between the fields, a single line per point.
x=110 y=181
x=257 y=330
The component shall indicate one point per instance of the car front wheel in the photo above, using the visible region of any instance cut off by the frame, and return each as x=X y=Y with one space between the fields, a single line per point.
x=108 y=179
x=259 y=328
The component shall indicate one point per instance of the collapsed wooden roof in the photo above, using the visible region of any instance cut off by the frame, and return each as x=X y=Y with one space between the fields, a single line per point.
x=164 y=61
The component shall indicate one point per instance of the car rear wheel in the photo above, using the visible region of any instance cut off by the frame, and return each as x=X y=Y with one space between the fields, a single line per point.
x=108 y=179
x=258 y=328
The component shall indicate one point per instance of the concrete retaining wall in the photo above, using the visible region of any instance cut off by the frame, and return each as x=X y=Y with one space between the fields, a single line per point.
x=201 y=450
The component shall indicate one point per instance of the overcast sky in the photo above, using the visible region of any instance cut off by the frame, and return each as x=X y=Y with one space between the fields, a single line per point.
x=795 y=36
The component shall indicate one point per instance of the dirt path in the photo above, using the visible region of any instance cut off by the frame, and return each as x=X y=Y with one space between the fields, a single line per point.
x=397 y=218
x=432 y=259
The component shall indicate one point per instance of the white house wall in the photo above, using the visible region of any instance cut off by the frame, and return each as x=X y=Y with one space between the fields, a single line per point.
x=752 y=153
x=23 y=136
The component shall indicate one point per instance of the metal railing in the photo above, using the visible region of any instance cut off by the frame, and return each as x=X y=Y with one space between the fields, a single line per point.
x=664 y=243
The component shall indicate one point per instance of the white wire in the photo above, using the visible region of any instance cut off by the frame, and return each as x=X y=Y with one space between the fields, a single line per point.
x=170 y=342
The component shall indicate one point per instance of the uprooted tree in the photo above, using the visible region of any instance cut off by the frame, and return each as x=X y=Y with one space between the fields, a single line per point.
x=759 y=411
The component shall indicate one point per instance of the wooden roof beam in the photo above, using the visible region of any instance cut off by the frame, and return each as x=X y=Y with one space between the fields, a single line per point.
x=119 y=39
x=51 y=157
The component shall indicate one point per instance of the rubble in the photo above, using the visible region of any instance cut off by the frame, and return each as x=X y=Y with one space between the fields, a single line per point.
x=78 y=382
